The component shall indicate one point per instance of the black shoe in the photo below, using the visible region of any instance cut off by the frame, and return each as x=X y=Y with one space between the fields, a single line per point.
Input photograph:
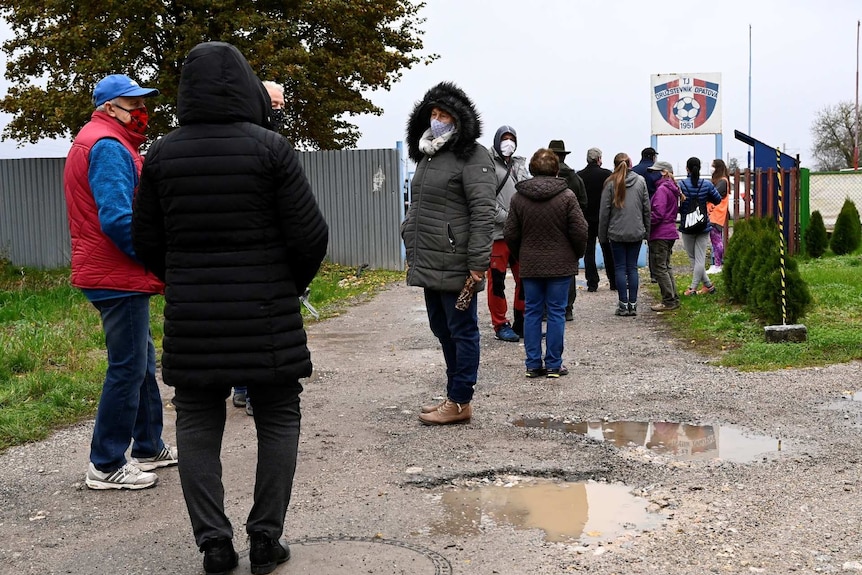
x=219 y=556
x=536 y=372
x=613 y=287
x=266 y=553
x=555 y=373
x=592 y=288
x=569 y=315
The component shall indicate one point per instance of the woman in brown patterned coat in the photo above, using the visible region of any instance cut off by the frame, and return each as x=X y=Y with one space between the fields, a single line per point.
x=547 y=232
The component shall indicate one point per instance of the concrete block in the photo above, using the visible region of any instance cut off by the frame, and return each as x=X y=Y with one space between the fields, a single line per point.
x=796 y=333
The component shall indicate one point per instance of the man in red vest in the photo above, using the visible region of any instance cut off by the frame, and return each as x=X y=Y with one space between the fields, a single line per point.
x=101 y=177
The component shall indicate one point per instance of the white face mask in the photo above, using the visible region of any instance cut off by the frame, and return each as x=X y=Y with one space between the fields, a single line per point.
x=711 y=170
x=508 y=147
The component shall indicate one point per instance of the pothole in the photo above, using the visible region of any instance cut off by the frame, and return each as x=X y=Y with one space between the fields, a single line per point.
x=585 y=512
x=681 y=441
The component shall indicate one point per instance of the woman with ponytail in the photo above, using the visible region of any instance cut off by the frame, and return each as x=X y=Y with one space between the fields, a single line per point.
x=718 y=214
x=696 y=192
x=624 y=220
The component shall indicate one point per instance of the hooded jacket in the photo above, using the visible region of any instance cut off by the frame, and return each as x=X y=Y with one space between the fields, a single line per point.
x=226 y=216
x=546 y=229
x=664 y=210
x=631 y=223
x=517 y=173
x=448 y=227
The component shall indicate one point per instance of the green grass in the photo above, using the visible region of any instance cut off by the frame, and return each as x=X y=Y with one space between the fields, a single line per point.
x=52 y=356
x=711 y=325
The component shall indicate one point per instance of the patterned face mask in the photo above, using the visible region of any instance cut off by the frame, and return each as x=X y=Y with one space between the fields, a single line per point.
x=138 y=119
x=277 y=116
x=439 y=128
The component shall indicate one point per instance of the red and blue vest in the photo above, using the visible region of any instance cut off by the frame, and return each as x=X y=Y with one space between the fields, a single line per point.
x=97 y=263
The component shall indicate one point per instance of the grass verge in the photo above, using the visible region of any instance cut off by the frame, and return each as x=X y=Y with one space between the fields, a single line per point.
x=715 y=327
x=52 y=356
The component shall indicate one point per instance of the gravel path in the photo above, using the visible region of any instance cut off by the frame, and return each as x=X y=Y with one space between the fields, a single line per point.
x=369 y=470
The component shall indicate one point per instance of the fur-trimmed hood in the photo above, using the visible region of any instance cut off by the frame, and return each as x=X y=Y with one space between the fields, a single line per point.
x=451 y=98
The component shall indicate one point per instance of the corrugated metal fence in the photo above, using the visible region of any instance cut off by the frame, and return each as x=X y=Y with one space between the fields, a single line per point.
x=359 y=193
x=33 y=227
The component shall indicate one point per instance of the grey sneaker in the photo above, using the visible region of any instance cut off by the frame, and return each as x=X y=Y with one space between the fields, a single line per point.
x=249 y=410
x=128 y=476
x=167 y=456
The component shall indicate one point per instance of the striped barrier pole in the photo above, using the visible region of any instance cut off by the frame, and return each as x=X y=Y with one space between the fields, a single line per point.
x=781 y=239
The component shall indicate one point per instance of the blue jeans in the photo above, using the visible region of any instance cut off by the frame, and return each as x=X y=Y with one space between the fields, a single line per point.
x=130 y=409
x=626 y=264
x=541 y=293
x=458 y=332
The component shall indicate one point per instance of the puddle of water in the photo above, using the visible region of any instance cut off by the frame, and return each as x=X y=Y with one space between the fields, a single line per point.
x=566 y=512
x=679 y=440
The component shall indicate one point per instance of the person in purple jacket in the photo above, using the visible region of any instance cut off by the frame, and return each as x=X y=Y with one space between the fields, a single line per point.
x=664 y=209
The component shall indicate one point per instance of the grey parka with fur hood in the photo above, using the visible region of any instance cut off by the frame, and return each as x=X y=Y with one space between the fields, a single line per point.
x=450 y=221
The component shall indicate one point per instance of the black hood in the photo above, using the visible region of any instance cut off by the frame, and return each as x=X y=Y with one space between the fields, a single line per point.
x=452 y=99
x=218 y=86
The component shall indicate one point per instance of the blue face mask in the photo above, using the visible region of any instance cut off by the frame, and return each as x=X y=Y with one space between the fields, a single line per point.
x=439 y=128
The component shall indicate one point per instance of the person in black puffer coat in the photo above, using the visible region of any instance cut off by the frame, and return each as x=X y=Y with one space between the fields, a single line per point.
x=448 y=232
x=226 y=217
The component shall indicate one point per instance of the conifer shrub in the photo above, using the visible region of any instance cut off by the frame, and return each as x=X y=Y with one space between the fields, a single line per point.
x=848 y=230
x=816 y=240
x=753 y=260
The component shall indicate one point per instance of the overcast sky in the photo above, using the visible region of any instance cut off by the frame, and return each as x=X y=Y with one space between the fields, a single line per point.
x=580 y=71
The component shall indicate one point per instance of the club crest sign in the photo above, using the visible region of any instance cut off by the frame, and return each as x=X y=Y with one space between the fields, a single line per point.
x=686 y=104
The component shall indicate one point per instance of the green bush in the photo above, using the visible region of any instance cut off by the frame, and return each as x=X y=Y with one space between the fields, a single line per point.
x=753 y=273
x=848 y=230
x=816 y=240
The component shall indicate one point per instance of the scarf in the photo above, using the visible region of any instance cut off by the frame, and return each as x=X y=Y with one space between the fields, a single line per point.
x=429 y=145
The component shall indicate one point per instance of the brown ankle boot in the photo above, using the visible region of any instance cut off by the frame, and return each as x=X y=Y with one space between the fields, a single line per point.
x=432 y=408
x=449 y=412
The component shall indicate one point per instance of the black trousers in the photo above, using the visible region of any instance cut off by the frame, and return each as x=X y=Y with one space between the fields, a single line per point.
x=590 y=268
x=201 y=416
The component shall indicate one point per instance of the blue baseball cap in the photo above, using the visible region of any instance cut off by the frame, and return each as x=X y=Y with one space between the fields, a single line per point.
x=117 y=85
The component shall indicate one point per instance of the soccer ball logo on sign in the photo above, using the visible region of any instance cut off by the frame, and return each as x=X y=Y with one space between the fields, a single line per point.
x=686 y=109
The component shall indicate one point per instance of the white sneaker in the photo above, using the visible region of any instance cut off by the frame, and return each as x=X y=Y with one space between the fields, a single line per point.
x=126 y=477
x=167 y=456
x=714 y=270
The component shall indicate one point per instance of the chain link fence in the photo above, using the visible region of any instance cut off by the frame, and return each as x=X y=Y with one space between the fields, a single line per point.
x=828 y=190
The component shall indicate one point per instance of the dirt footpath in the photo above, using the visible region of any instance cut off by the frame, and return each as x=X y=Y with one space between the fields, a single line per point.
x=376 y=492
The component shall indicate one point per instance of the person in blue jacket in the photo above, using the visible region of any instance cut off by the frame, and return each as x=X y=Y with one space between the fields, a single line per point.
x=696 y=191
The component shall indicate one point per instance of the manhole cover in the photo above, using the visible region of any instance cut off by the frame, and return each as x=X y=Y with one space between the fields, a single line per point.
x=346 y=554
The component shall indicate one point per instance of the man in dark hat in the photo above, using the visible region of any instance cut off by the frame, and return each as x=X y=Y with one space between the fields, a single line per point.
x=576 y=184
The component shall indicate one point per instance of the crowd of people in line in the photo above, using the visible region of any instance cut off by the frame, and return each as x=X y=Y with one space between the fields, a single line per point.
x=220 y=218
x=477 y=213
